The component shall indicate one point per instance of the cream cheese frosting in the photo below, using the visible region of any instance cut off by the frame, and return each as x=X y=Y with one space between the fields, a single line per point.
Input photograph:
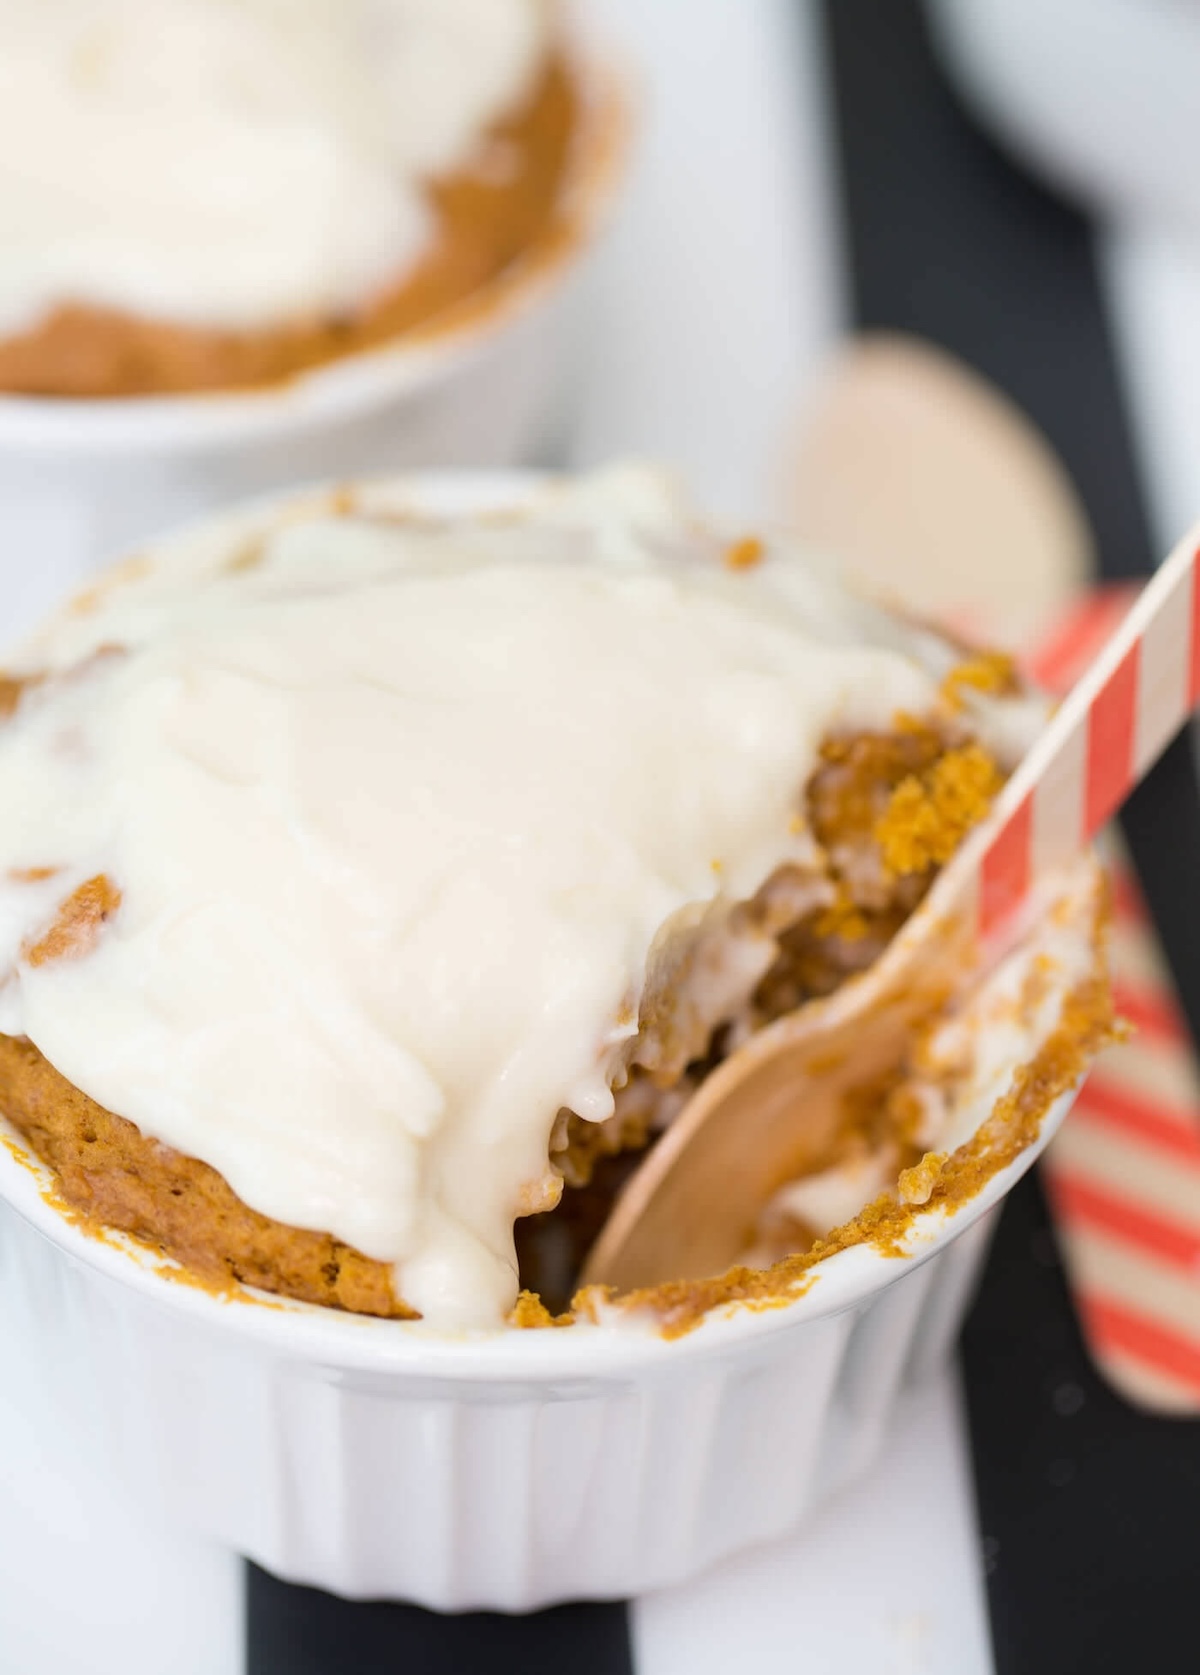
x=234 y=163
x=409 y=819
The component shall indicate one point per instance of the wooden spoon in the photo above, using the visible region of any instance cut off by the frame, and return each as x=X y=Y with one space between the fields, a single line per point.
x=933 y=489
x=766 y=1115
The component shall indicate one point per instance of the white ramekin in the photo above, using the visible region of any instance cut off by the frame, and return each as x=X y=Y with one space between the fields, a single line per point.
x=82 y=480
x=378 y=1459
x=507 y=1469
x=1100 y=95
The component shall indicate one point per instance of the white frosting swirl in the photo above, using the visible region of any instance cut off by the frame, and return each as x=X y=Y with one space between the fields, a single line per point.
x=399 y=812
x=234 y=163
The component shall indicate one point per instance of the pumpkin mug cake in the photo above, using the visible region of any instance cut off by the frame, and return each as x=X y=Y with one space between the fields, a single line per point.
x=373 y=884
x=196 y=195
x=380 y=871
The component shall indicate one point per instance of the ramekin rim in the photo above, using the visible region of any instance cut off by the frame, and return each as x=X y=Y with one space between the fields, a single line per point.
x=357 y=1344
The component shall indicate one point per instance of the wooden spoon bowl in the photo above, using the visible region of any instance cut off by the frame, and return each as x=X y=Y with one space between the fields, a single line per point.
x=768 y=1115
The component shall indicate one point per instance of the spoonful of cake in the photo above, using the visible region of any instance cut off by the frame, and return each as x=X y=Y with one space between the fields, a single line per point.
x=768 y=1113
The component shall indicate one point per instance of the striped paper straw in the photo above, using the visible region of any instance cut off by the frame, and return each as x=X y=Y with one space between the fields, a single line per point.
x=1124 y=710
x=1123 y=1173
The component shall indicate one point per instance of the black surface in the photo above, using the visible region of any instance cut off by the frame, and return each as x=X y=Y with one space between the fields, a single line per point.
x=1088 y=1509
x=947 y=239
x=302 y=1631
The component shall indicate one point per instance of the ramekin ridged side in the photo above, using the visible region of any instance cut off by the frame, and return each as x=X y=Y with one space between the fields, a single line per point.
x=506 y=1470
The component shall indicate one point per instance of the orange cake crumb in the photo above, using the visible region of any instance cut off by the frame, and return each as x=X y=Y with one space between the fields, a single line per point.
x=930 y=813
x=744 y=554
x=12 y=690
x=993 y=672
x=529 y=1312
x=844 y=918
x=78 y=924
x=917 y=1184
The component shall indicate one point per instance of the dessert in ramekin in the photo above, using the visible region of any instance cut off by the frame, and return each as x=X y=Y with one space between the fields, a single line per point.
x=198 y=196
x=375 y=864
x=245 y=245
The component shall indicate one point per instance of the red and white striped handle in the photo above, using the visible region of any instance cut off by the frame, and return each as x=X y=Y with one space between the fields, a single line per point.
x=1107 y=733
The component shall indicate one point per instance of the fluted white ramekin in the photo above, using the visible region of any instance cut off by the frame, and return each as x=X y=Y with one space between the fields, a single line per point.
x=82 y=480
x=377 y=1458
x=507 y=1469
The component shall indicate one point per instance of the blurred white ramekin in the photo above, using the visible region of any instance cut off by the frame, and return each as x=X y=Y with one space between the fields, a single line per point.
x=1098 y=94
x=504 y=1469
x=84 y=479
